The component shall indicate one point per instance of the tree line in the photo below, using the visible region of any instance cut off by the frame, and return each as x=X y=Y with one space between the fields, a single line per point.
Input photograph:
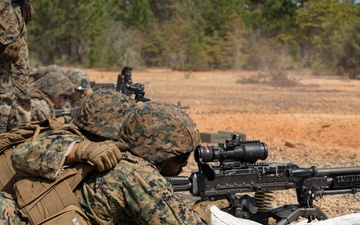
x=198 y=35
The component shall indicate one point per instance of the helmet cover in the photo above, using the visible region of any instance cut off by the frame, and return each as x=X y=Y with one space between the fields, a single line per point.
x=54 y=84
x=157 y=131
x=102 y=113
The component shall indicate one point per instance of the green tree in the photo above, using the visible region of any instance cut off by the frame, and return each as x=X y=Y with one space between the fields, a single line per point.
x=181 y=38
x=325 y=28
x=132 y=13
x=66 y=30
x=349 y=57
x=269 y=18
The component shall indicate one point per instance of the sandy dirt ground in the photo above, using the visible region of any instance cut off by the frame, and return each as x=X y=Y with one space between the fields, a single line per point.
x=314 y=122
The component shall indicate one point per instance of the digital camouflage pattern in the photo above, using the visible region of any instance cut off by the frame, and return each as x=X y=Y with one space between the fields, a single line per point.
x=15 y=102
x=134 y=192
x=109 y=104
x=49 y=149
x=68 y=106
x=42 y=107
x=36 y=73
x=81 y=83
x=54 y=68
x=103 y=112
x=79 y=78
x=8 y=213
x=159 y=130
x=54 y=84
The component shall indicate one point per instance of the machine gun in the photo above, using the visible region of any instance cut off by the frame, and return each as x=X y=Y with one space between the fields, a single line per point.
x=123 y=79
x=126 y=86
x=236 y=171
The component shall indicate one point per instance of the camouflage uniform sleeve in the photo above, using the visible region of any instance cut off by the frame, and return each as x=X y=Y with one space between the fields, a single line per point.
x=40 y=110
x=8 y=23
x=153 y=200
x=9 y=214
x=67 y=108
x=46 y=155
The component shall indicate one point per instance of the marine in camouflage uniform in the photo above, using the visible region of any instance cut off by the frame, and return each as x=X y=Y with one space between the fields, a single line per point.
x=49 y=93
x=81 y=83
x=15 y=104
x=98 y=119
x=51 y=147
x=136 y=190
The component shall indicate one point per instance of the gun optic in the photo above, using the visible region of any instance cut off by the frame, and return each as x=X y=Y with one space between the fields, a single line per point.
x=243 y=151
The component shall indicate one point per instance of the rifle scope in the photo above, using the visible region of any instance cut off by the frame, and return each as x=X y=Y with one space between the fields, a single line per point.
x=244 y=151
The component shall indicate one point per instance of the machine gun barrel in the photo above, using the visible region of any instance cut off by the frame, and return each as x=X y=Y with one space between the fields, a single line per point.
x=338 y=192
x=314 y=171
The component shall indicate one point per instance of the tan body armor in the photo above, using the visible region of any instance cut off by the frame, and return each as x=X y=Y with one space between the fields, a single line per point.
x=53 y=202
x=8 y=176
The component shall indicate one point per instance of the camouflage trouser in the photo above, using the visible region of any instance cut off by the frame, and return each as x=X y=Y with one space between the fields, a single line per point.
x=15 y=104
x=8 y=213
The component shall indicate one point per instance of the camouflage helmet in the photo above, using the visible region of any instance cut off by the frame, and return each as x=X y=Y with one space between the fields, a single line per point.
x=158 y=131
x=54 y=68
x=102 y=113
x=54 y=84
x=37 y=73
x=79 y=78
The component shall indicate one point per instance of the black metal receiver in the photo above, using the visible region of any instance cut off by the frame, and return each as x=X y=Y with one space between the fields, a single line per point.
x=236 y=171
x=124 y=79
x=138 y=90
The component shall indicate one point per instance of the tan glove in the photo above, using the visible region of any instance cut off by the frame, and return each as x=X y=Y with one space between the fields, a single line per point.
x=27 y=11
x=11 y=52
x=202 y=208
x=104 y=155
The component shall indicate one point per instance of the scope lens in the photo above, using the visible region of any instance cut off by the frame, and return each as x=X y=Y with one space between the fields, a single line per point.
x=245 y=152
x=204 y=154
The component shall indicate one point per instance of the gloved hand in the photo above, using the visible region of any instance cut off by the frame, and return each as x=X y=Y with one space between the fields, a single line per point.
x=202 y=208
x=11 y=52
x=104 y=155
x=27 y=11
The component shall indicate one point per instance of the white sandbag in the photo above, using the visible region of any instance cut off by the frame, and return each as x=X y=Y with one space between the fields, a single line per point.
x=350 y=219
x=219 y=217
